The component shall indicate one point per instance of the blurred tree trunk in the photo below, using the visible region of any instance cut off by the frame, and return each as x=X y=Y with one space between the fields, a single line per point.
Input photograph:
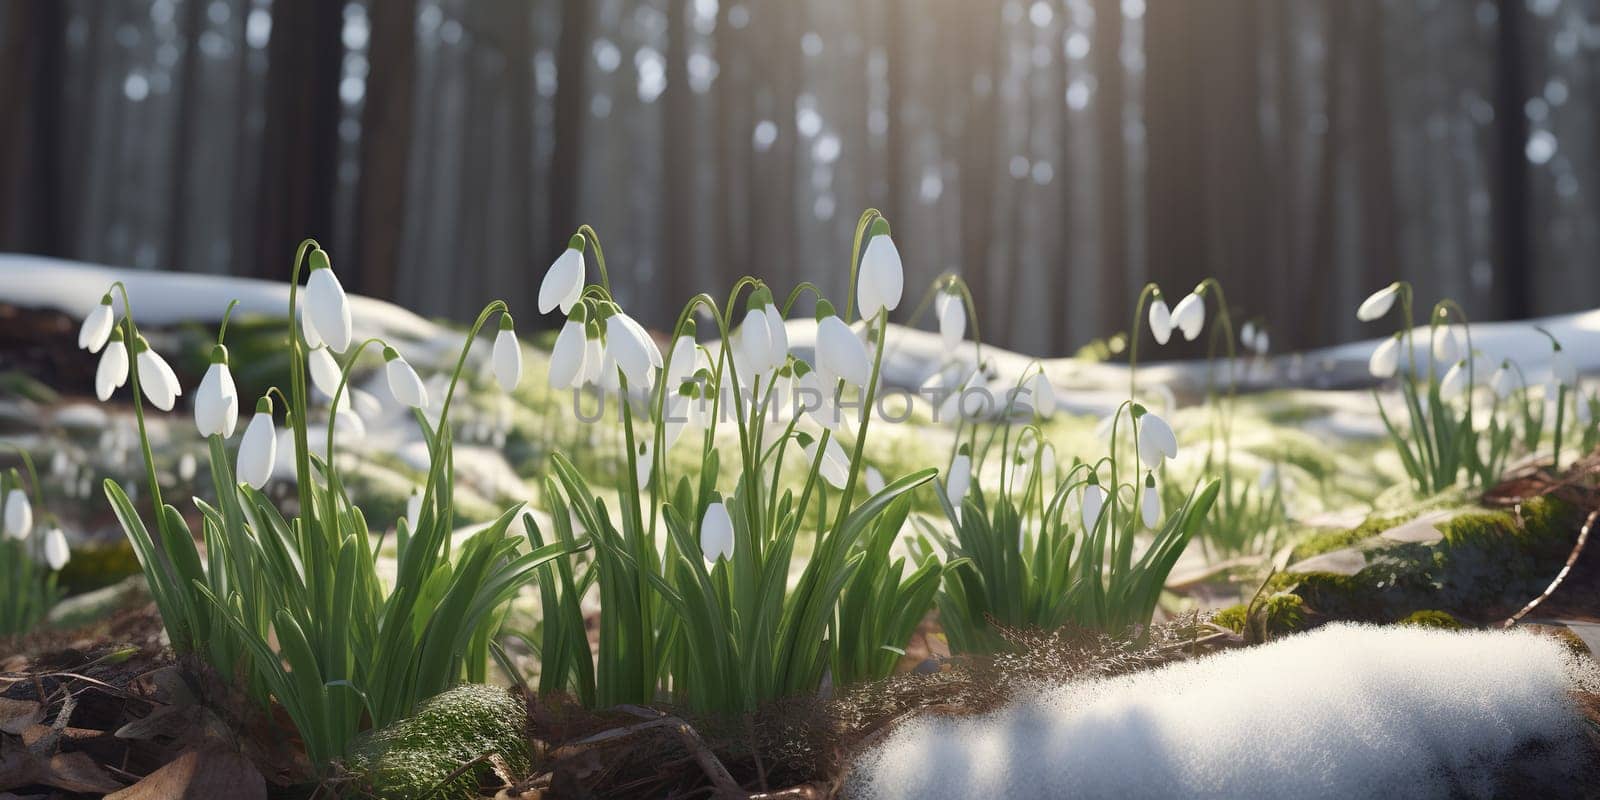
x=1112 y=157
x=985 y=57
x=385 y=146
x=30 y=128
x=571 y=109
x=1321 y=281
x=731 y=152
x=183 y=142
x=677 y=167
x=1379 y=262
x=1509 y=182
x=300 y=139
x=897 y=40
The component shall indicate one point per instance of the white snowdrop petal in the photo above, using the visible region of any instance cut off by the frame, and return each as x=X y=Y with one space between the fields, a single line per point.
x=56 y=551
x=777 y=336
x=1042 y=394
x=157 y=379
x=960 y=480
x=563 y=283
x=96 y=330
x=1160 y=321
x=952 y=322
x=567 y=357
x=325 y=371
x=1385 y=360
x=1150 y=506
x=308 y=330
x=18 y=515
x=882 y=277
x=507 y=360
x=716 y=533
x=841 y=354
x=1190 y=316
x=215 y=402
x=112 y=372
x=755 y=339
x=329 y=308
x=1378 y=303
x=405 y=385
x=1094 y=499
x=258 y=451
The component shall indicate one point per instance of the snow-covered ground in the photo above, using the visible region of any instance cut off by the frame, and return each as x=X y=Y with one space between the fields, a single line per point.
x=1345 y=711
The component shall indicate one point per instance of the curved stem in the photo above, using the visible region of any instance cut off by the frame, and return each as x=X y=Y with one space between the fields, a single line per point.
x=131 y=336
x=863 y=224
x=1149 y=290
x=222 y=330
x=593 y=238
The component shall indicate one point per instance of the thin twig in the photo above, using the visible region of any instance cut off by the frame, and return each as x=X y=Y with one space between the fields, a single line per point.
x=1572 y=558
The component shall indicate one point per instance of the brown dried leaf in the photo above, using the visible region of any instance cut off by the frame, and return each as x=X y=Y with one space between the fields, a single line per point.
x=199 y=775
x=17 y=715
x=71 y=772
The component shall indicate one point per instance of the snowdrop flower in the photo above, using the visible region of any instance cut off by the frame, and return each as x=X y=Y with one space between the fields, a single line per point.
x=1378 y=303
x=403 y=381
x=631 y=347
x=326 y=305
x=874 y=480
x=716 y=532
x=684 y=356
x=1190 y=316
x=309 y=332
x=1562 y=370
x=1385 y=358
x=1156 y=439
x=413 y=508
x=1150 y=501
x=568 y=355
x=1094 y=500
x=19 y=514
x=96 y=330
x=325 y=371
x=835 y=467
x=1041 y=394
x=960 y=479
x=1160 y=319
x=840 y=353
x=56 y=552
x=882 y=277
x=563 y=283
x=595 y=360
x=186 y=467
x=1247 y=335
x=777 y=331
x=156 y=378
x=258 y=450
x=755 y=338
x=112 y=372
x=216 y=403
x=507 y=356
x=1504 y=381
x=952 y=314
x=1454 y=382
x=1445 y=347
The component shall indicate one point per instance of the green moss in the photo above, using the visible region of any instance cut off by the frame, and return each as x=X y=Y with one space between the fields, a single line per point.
x=1432 y=619
x=413 y=758
x=1269 y=617
x=1331 y=540
x=96 y=564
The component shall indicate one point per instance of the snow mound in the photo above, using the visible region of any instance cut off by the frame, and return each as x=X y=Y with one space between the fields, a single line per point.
x=1345 y=711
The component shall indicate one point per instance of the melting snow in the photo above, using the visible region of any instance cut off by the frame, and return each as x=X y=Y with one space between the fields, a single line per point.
x=1345 y=711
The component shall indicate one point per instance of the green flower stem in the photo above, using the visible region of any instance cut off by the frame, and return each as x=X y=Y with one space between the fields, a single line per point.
x=1149 y=290
x=296 y=408
x=863 y=224
x=227 y=314
x=593 y=238
x=131 y=337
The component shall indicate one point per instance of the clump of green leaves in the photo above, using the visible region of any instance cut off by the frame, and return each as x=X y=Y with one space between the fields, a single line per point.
x=694 y=581
x=295 y=607
x=29 y=581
